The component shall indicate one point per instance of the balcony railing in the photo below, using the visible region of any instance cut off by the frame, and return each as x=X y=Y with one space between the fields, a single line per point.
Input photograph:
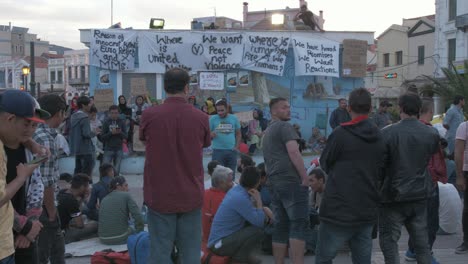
x=461 y=22
x=78 y=81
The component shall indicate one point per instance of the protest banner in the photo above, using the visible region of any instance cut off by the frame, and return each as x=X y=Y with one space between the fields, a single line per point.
x=113 y=49
x=192 y=51
x=316 y=57
x=265 y=52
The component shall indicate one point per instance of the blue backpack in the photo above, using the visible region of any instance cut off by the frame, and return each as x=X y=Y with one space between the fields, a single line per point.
x=139 y=247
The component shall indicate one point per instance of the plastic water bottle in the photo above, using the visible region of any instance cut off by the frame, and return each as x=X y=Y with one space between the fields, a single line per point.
x=144 y=213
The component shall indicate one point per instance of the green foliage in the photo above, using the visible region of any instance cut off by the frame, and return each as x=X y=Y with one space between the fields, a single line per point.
x=453 y=84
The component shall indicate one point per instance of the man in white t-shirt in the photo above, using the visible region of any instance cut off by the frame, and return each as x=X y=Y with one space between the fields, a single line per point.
x=461 y=162
x=450 y=209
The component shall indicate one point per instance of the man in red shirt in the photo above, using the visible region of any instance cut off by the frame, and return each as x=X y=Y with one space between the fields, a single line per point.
x=175 y=134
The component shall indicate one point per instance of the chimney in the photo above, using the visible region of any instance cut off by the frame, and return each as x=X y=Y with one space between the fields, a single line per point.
x=246 y=10
x=321 y=14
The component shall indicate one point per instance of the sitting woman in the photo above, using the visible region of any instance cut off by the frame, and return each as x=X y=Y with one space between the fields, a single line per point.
x=114 y=214
x=238 y=224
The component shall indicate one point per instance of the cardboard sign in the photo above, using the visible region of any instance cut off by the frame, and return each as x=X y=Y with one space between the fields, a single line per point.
x=103 y=99
x=138 y=87
x=354 y=58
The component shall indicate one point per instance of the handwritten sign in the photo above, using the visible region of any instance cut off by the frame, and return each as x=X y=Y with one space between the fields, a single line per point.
x=113 y=49
x=192 y=51
x=354 y=58
x=265 y=52
x=316 y=57
x=211 y=80
x=103 y=99
x=138 y=87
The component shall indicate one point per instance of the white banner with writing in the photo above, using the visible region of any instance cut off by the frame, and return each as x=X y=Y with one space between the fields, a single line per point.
x=193 y=51
x=265 y=52
x=113 y=49
x=316 y=57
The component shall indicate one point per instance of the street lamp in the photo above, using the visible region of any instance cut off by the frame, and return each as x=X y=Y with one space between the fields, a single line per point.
x=25 y=71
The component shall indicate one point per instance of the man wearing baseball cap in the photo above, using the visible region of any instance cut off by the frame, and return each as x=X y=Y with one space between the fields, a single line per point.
x=18 y=116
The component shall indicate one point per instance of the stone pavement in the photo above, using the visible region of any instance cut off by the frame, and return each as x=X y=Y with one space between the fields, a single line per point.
x=443 y=248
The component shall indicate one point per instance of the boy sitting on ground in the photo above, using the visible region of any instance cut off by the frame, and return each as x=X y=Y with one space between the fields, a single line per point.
x=100 y=190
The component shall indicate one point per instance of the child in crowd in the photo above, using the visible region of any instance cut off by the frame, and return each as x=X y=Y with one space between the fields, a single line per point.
x=96 y=125
x=244 y=161
x=211 y=166
x=100 y=190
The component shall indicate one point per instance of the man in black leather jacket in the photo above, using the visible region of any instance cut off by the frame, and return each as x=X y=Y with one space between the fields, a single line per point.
x=406 y=182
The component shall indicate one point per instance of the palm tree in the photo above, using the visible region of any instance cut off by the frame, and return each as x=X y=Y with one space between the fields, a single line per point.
x=453 y=84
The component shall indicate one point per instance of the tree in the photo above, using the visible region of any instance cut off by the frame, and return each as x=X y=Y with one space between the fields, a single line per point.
x=452 y=84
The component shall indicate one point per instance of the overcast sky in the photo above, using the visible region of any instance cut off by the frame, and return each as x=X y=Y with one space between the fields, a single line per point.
x=58 y=21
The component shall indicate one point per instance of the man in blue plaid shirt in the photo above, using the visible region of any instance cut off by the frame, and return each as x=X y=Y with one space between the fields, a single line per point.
x=51 y=241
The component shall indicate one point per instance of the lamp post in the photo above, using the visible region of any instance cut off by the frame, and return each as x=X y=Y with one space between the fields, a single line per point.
x=25 y=71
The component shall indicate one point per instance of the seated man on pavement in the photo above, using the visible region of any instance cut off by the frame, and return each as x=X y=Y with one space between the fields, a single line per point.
x=221 y=181
x=71 y=219
x=115 y=212
x=100 y=190
x=238 y=225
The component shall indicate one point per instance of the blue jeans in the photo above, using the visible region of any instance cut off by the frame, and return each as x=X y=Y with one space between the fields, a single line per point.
x=115 y=156
x=432 y=219
x=413 y=215
x=8 y=260
x=226 y=157
x=180 y=229
x=332 y=237
x=289 y=202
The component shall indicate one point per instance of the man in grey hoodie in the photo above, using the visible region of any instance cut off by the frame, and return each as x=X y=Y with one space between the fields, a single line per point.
x=80 y=138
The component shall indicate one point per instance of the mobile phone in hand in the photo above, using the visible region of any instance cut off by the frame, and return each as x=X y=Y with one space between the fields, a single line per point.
x=38 y=160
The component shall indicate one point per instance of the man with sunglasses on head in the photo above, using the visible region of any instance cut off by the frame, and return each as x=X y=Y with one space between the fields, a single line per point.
x=51 y=242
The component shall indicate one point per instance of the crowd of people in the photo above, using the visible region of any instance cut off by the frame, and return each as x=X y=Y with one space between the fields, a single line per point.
x=372 y=177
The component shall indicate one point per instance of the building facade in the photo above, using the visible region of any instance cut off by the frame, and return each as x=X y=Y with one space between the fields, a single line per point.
x=451 y=34
x=76 y=72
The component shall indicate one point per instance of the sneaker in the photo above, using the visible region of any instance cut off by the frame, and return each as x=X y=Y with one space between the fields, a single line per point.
x=410 y=256
x=434 y=260
x=462 y=249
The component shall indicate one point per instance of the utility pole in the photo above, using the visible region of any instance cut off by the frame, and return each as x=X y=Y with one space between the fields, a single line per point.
x=112 y=12
x=33 y=71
